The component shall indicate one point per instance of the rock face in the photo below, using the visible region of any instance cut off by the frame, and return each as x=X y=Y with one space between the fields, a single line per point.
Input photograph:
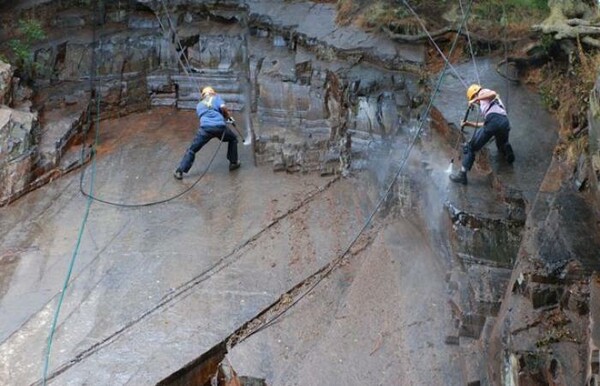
x=5 y=82
x=314 y=96
x=593 y=172
x=309 y=80
x=18 y=131
x=546 y=330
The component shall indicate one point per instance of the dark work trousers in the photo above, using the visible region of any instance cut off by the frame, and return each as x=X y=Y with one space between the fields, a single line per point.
x=496 y=125
x=204 y=135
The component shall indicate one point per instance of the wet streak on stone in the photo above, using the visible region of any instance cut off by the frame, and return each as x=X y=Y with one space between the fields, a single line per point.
x=262 y=319
x=223 y=263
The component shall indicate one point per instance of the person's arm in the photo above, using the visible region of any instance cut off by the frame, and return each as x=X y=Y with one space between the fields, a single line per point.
x=223 y=108
x=484 y=94
x=471 y=124
x=226 y=114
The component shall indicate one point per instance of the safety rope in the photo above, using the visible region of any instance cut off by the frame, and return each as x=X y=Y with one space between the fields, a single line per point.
x=383 y=198
x=88 y=206
x=470 y=43
x=208 y=166
x=505 y=25
x=176 y=37
x=68 y=277
x=504 y=22
x=91 y=198
x=447 y=62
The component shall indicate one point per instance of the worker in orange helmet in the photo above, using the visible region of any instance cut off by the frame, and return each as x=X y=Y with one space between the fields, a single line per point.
x=495 y=125
x=213 y=115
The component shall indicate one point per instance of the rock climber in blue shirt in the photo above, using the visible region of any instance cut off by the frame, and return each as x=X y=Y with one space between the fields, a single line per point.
x=213 y=116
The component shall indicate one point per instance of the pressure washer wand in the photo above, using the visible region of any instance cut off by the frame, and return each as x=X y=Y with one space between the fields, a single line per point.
x=469 y=108
x=232 y=122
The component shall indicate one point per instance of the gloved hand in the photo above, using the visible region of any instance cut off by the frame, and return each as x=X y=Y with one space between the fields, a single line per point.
x=231 y=120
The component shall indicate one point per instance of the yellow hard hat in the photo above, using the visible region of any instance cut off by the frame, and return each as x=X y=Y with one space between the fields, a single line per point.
x=207 y=91
x=472 y=91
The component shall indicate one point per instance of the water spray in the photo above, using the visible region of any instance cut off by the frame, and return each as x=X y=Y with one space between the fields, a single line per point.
x=246 y=141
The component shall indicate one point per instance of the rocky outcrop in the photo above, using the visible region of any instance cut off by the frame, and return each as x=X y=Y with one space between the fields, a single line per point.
x=542 y=330
x=17 y=150
x=591 y=169
x=310 y=97
x=314 y=96
x=546 y=331
x=525 y=239
x=18 y=131
x=5 y=82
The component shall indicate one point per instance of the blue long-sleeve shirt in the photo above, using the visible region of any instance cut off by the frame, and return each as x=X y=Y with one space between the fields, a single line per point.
x=209 y=111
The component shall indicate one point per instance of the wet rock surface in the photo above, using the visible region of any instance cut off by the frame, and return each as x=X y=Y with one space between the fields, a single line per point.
x=18 y=135
x=309 y=78
x=448 y=285
x=241 y=277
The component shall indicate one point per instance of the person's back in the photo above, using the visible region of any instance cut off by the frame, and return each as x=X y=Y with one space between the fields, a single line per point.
x=209 y=111
x=213 y=116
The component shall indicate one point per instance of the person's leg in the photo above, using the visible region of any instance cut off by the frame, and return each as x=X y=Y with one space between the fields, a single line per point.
x=201 y=138
x=501 y=141
x=232 y=141
x=509 y=154
x=480 y=138
x=501 y=133
x=232 y=151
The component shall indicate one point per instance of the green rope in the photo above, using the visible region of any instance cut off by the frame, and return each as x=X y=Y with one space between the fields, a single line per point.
x=83 y=220
x=90 y=199
x=73 y=259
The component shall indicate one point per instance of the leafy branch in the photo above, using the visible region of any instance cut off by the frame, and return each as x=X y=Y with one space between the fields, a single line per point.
x=31 y=31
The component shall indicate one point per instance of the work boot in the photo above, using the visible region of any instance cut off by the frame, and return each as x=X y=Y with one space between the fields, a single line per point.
x=178 y=174
x=460 y=177
x=234 y=165
x=509 y=155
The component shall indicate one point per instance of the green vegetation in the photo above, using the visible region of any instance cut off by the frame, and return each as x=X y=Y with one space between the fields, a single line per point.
x=373 y=14
x=516 y=16
x=30 y=32
x=381 y=14
x=565 y=89
x=516 y=11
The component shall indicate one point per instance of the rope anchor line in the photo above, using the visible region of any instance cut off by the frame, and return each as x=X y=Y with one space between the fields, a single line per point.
x=328 y=270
